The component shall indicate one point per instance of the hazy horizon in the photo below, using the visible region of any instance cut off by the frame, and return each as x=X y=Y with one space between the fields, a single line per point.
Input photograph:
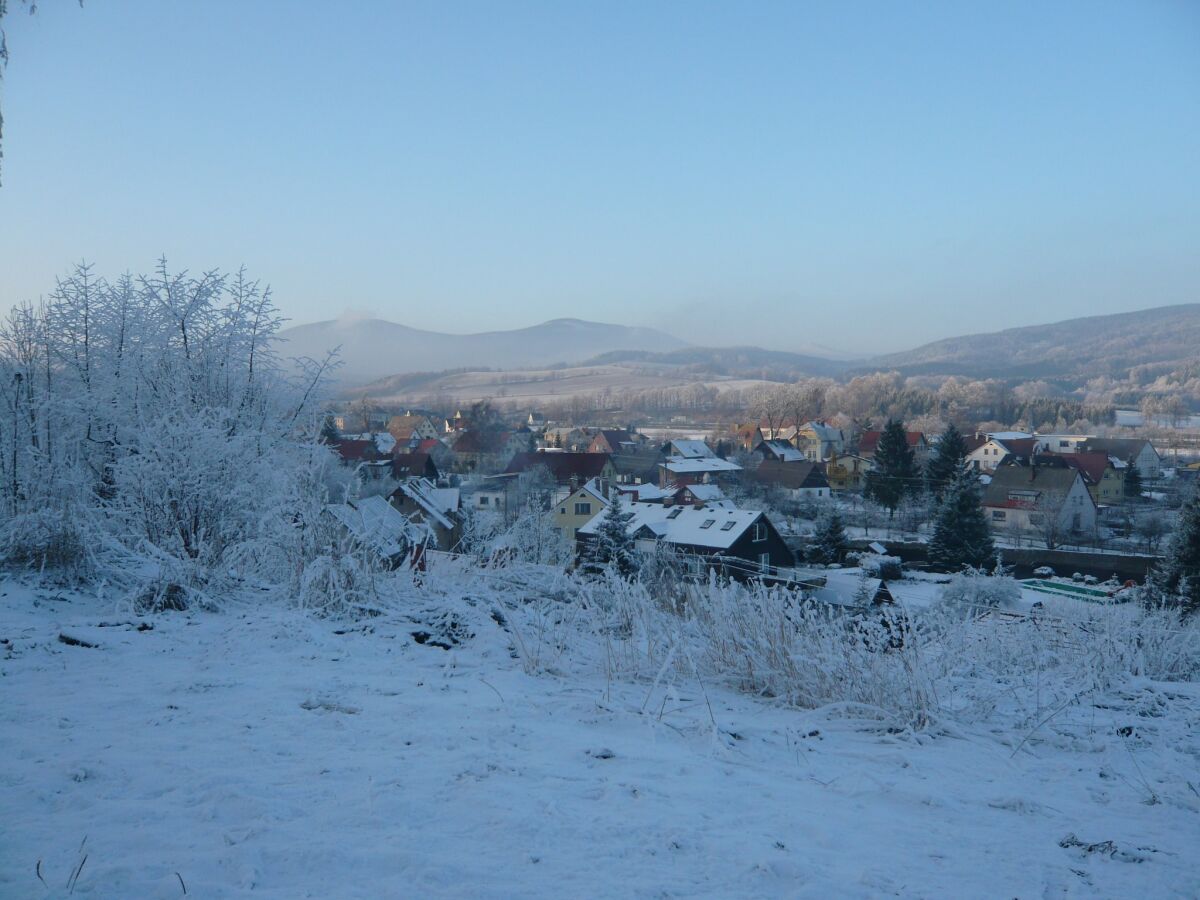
x=865 y=179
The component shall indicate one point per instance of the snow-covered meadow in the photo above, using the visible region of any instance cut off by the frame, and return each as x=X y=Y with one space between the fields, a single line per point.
x=264 y=751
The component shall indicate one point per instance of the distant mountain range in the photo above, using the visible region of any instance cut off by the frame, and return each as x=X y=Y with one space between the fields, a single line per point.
x=383 y=356
x=374 y=348
x=1074 y=349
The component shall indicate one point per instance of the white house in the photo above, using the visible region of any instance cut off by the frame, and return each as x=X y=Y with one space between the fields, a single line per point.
x=1050 y=502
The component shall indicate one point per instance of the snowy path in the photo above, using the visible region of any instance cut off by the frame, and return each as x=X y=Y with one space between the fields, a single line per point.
x=265 y=755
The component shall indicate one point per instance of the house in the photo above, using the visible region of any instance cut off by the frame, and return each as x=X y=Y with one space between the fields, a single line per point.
x=565 y=468
x=647 y=492
x=1136 y=452
x=689 y=449
x=818 y=441
x=637 y=466
x=414 y=465
x=610 y=440
x=736 y=543
x=995 y=450
x=1050 y=501
x=573 y=440
x=384 y=442
x=442 y=456
x=777 y=450
x=480 y=449
x=749 y=436
x=798 y=479
x=410 y=429
x=848 y=472
x=1062 y=443
x=682 y=470
x=421 y=500
x=868 y=443
x=580 y=506
x=496 y=493
x=363 y=455
x=701 y=496
x=1103 y=475
x=535 y=421
x=376 y=526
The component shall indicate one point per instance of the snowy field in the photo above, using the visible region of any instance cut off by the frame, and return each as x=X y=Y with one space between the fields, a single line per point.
x=268 y=753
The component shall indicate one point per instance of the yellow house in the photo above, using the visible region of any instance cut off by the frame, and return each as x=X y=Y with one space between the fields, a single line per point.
x=847 y=472
x=580 y=507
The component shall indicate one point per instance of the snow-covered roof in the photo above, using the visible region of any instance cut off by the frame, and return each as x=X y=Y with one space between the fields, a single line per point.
x=691 y=449
x=434 y=501
x=379 y=525
x=783 y=451
x=646 y=491
x=717 y=529
x=823 y=432
x=847 y=587
x=1009 y=435
x=680 y=465
x=706 y=492
x=592 y=486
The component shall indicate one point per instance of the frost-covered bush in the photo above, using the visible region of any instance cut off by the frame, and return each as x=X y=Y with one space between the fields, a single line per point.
x=47 y=541
x=973 y=591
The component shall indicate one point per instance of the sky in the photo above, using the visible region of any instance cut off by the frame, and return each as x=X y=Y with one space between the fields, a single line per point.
x=857 y=176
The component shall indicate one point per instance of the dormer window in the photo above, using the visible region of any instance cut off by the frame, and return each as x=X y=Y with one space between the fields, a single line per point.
x=709 y=523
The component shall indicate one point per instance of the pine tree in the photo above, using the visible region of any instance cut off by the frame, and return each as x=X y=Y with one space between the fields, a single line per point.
x=961 y=536
x=612 y=546
x=329 y=432
x=830 y=540
x=895 y=471
x=948 y=456
x=1132 y=486
x=1179 y=575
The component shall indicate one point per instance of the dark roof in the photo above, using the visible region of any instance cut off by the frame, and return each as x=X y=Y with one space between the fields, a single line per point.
x=791 y=475
x=563 y=466
x=1090 y=465
x=355 y=451
x=482 y=442
x=405 y=464
x=1039 y=479
x=870 y=440
x=615 y=437
x=1123 y=449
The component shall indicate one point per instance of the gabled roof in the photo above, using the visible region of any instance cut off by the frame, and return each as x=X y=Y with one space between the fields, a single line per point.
x=1122 y=448
x=792 y=475
x=1025 y=447
x=690 y=449
x=1091 y=465
x=406 y=464
x=437 y=503
x=562 y=465
x=593 y=489
x=482 y=442
x=378 y=525
x=614 y=437
x=780 y=450
x=686 y=525
x=822 y=431
x=1032 y=482
x=685 y=465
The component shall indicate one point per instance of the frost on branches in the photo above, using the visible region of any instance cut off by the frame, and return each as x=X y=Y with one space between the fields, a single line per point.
x=151 y=436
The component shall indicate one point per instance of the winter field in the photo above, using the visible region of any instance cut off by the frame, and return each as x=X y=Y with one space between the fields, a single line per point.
x=264 y=751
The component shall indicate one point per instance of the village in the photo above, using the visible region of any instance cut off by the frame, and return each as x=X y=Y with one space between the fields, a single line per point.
x=750 y=500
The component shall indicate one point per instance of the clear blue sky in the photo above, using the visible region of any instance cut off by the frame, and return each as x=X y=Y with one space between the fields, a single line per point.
x=857 y=175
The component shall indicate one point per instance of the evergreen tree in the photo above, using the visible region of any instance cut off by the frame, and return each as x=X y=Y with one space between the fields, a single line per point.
x=895 y=472
x=612 y=547
x=329 y=432
x=948 y=456
x=830 y=540
x=1179 y=575
x=961 y=536
x=1132 y=487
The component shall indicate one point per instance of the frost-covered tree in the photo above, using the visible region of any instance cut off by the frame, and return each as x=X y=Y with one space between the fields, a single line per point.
x=948 y=455
x=1179 y=577
x=895 y=472
x=1132 y=483
x=829 y=542
x=612 y=546
x=961 y=536
x=151 y=419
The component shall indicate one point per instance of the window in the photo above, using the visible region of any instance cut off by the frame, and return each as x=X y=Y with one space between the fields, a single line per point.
x=483 y=500
x=709 y=523
x=583 y=509
x=760 y=531
x=563 y=511
x=999 y=514
x=674 y=514
x=764 y=562
x=1064 y=443
x=1036 y=518
x=728 y=525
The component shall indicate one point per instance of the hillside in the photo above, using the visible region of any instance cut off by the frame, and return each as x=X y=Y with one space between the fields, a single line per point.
x=374 y=348
x=740 y=362
x=1075 y=348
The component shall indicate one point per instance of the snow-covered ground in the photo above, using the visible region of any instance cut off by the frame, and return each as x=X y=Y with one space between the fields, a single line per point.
x=269 y=753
